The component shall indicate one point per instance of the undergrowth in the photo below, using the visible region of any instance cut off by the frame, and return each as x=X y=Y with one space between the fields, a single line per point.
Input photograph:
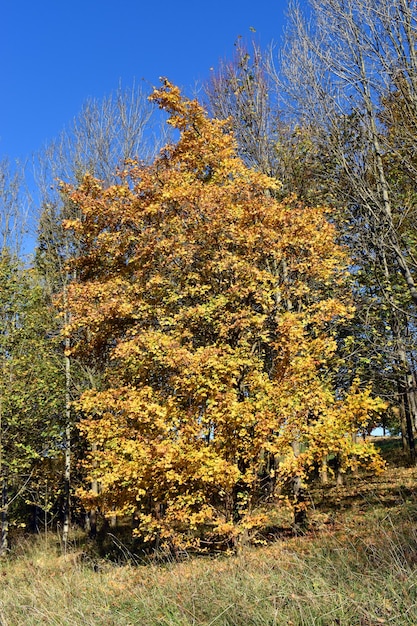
x=356 y=565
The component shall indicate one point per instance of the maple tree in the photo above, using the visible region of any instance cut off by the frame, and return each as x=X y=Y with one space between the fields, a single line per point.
x=211 y=308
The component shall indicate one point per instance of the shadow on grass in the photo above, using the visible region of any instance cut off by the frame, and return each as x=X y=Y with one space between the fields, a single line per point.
x=362 y=496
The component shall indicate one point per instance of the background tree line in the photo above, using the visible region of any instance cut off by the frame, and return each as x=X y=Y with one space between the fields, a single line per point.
x=332 y=116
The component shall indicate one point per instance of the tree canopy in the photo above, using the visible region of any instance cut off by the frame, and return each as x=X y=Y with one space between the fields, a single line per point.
x=212 y=308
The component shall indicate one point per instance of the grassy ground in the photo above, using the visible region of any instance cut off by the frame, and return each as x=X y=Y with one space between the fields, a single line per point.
x=356 y=566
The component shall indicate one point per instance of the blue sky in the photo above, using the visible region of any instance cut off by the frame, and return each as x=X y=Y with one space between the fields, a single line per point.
x=55 y=55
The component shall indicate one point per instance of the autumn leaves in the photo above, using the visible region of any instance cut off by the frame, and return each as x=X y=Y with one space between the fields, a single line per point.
x=212 y=310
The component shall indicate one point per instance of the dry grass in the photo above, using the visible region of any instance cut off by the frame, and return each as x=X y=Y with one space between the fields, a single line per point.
x=357 y=566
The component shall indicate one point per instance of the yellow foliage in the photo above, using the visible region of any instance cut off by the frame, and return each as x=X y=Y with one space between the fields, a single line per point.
x=212 y=309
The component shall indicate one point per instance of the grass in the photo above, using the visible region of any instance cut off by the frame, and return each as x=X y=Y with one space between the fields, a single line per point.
x=356 y=566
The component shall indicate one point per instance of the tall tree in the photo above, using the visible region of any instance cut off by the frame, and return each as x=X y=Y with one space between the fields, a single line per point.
x=243 y=91
x=341 y=65
x=212 y=307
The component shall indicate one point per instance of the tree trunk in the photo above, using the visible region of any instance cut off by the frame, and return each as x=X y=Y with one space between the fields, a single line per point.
x=4 y=544
x=324 y=476
x=300 y=515
x=407 y=432
x=4 y=539
x=406 y=389
x=354 y=457
x=339 y=474
x=92 y=514
x=67 y=459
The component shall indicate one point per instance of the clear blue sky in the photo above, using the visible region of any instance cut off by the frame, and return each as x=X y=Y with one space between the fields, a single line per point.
x=56 y=54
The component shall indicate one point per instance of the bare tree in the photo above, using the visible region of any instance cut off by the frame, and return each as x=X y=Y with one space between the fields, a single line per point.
x=344 y=68
x=245 y=91
x=241 y=90
x=338 y=67
x=14 y=207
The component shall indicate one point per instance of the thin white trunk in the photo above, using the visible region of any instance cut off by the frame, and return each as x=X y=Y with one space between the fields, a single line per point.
x=67 y=471
x=4 y=518
x=67 y=459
